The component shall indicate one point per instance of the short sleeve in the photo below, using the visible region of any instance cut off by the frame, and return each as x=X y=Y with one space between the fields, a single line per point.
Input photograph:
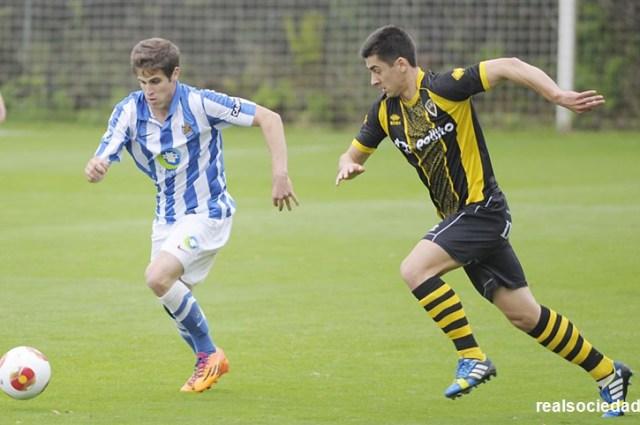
x=460 y=83
x=222 y=109
x=372 y=131
x=118 y=133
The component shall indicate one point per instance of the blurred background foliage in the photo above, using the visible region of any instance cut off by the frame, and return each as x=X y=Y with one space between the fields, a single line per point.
x=68 y=59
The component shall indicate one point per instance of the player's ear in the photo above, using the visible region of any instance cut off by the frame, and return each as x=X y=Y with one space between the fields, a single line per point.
x=175 y=74
x=402 y=63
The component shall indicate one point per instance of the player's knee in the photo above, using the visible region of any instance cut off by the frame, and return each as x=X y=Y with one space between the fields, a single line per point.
x=156 y=281
x=406 y=272
x=522 y=320
x=413 y=276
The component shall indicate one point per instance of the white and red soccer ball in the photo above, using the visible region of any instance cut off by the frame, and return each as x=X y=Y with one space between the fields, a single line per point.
x=24 y=372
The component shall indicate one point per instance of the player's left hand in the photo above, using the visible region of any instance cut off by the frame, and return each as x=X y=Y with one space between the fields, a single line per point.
x=580 y=102
x=282 y=193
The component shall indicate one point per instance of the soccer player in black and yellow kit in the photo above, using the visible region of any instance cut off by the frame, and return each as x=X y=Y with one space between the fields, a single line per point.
x=431 y=120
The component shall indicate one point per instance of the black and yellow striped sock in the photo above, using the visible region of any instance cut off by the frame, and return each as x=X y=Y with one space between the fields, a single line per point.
x=445 y=308
x=558 y=334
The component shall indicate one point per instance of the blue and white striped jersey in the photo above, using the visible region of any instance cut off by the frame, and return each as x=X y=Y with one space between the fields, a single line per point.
x=183 y=155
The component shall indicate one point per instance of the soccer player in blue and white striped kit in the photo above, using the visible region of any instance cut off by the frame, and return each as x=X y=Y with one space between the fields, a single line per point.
x=173 y=133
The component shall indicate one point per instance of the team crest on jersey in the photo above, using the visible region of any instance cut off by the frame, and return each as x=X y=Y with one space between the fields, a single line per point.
x=431 y=108
x=457 y=73
x=169 y=159
x=394 y=119
x=186 y=129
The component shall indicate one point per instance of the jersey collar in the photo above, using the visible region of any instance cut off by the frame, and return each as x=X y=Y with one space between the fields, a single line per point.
x=176 y=99
x=416 y=96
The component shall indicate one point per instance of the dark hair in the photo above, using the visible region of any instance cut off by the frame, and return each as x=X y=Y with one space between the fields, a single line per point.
x=389 y=43
x=155 y=53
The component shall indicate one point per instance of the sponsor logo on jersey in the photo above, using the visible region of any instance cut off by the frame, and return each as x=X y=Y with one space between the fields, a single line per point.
x=402 y=145
x=394 y=119
x=169 y=159
x=457 y=73
x=434 y=135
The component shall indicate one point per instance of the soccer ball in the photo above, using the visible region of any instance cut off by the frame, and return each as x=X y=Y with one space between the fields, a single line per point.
x=24 y=372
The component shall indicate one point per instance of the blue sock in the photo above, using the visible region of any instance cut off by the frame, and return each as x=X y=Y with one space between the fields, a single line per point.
x=184 y=333
x=189 y=317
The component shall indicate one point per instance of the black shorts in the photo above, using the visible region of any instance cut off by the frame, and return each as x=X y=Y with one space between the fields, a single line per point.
x=478 y=238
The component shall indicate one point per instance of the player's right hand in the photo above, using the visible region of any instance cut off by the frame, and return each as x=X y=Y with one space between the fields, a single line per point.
x=349 y=171
x=580 y=102
x=96 y=169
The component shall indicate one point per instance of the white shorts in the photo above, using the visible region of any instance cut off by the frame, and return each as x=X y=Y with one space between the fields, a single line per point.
x=194 y=240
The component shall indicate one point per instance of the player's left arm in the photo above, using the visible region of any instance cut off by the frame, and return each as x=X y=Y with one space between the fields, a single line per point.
x=272 y=128
x=524 y=74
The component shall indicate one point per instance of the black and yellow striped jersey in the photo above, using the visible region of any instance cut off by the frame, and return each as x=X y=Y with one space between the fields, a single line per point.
x=439 y=134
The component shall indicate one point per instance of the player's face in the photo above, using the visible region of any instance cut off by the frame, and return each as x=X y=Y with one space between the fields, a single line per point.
x=157 y=88
x=388 y=78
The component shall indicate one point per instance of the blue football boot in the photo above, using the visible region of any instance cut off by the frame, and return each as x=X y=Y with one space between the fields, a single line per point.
x=469 y=374
x=616 y=389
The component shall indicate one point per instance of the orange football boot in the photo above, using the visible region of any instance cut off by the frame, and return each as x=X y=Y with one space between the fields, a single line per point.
x=209 y=368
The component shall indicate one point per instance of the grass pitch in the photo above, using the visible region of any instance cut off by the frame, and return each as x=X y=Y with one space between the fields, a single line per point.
x=309 y=305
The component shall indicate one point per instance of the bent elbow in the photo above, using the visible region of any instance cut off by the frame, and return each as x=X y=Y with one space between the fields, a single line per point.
x=514 y=62
x=272 y=119
x=276 y=118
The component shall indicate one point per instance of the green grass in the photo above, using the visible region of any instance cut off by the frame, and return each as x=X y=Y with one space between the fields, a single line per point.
x=308 y=305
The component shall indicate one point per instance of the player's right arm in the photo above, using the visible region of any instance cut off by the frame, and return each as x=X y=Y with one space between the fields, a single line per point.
x=112 y=142
x=96 y=169
x=372 y=132
x=524 y=74
x=350 y=164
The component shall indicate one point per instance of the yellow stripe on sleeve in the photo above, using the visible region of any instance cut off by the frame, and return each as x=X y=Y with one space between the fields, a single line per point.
x=362 y=148
x=483 y=76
